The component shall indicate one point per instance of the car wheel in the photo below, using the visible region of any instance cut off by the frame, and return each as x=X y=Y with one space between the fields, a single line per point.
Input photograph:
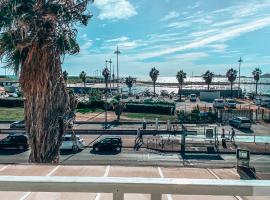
x=75 y=148
x=118 y=149
x=21 y=147
x=96 y=149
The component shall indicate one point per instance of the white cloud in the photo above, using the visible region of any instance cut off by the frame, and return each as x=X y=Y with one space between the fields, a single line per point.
x=115 y=9
x=223 y=35
x=170 y=15
x=120 y=39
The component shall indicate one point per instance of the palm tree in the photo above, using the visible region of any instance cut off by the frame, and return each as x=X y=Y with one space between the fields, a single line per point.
x=118 y=107
x=106 y=75
x=208 y=77
x=256 y=75
x=82 y=76
x=65 y=75
x=154 y=73
x=35 y=35
x=231 y=75
x=180 y=76
x=129 y=82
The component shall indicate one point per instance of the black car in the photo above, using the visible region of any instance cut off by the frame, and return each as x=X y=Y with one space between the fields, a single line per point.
x=14 y=141
x=108 y=143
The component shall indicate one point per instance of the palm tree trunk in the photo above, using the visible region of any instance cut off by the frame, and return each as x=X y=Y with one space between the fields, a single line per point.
x=208 y=87
x=180 y=92
x=231 y=90
x=154 y=89
x=256 y=92
x=46 y=104
x=129 y=90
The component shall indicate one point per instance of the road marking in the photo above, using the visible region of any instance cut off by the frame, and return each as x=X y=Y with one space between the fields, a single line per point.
x=105 y=175
x=234 y=172
x=3 y=168
x=26 y=195
x=214 y=174
x=169 y=196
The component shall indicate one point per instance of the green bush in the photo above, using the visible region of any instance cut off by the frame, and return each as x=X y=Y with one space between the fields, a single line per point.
x=92 y=104
x=12 y=102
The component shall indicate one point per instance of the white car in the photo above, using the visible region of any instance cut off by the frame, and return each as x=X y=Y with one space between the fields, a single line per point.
x=193 y=97
x=218 y=103
x=230 y=103
x=241 y=122
x=69 y=144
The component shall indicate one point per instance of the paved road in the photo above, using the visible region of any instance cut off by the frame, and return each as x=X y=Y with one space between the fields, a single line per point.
x=142 y=157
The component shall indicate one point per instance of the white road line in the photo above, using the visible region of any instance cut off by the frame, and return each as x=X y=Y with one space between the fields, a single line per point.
x=214 y=174
x=53 y=170
x=105 y=175
x=169 y=196
x=26 y=195
x=3 y=168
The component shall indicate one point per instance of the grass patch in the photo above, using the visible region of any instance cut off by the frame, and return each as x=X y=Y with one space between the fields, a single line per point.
x=89 y=110
x=149 y=116
x=11 y=114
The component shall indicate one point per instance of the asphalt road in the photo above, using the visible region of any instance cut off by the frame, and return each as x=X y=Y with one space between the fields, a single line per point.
x=143 y=157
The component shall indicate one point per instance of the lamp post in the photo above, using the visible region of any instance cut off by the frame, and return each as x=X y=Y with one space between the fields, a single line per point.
x=113 y=76
x=117 y=52
x=239 y=78
x=110 y=77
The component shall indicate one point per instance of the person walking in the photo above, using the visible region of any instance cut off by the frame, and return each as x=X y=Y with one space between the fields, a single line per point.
x=233 y=135
x=223 y=138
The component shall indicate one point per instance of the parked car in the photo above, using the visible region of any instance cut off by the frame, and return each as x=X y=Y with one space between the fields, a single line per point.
x=241 y=122
x=230 y=103
x=14 y=141
x=218 y=103
x=193 y=97
x=18 y=124
x=68 y=143
x=108 y=143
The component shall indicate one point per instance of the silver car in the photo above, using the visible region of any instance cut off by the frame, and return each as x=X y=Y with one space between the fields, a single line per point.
x=69 y=144
x=241 y=122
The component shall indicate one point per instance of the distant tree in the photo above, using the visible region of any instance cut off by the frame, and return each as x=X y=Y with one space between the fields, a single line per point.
x=180 y=76
x=256 y=75
x=208 y=77
x=82 y=76
x=65 y=75
x=231 y=75
x=106 y=75
x=118 y=107
x=129 y=82
x=154 y=73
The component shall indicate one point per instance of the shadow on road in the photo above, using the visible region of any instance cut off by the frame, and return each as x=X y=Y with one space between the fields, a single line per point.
x=111 y=152
x=11 y=151
x=201 y=157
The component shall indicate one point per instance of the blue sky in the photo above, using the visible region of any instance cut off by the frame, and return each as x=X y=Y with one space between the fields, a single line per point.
x=174 y=34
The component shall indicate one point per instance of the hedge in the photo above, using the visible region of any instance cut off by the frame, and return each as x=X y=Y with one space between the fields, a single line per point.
x=92 y=104
x=147 y=108
x=12 y=102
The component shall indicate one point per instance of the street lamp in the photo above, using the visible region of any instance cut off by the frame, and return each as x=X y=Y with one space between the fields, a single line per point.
x=117 y=52
x=110 y=78
x=239 y=78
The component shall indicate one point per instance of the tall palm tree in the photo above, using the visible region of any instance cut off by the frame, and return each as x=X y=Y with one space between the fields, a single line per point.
x=180 y=76
x=106 y=75
x=65 y=75
x=154 y=73
x=129 y=82
x=231 y=75
x=34 y=37
x=208 y=77
x=82 y=76
x=256 y=75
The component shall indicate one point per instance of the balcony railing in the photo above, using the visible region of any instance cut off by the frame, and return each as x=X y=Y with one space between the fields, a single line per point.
x=119 y=186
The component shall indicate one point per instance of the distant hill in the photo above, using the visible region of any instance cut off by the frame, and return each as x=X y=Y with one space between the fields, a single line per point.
x=265 y=76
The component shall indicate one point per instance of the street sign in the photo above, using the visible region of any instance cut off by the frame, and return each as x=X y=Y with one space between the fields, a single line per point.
x=243 y=157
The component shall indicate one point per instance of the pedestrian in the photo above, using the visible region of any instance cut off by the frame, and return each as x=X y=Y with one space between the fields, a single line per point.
x=223 y=138
x=233 y=135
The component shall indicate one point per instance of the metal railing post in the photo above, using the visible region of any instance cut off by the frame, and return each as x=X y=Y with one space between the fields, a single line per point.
x=118 y=196
x=156 y=196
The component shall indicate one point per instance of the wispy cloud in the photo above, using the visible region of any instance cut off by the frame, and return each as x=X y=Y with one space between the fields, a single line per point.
x=115 y=9
x=170 y=15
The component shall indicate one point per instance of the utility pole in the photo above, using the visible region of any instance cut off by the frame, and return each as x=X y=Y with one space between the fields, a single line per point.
x=113 y=76
x=117 y=52
x=239 y=78
x=110 y=77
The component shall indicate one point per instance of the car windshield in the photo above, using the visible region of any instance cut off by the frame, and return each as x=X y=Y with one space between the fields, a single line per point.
x=219 y=101
x=246 y=121
x=231 y=101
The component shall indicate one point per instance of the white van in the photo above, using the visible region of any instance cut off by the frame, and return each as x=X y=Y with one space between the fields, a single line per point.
x=218 y=103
